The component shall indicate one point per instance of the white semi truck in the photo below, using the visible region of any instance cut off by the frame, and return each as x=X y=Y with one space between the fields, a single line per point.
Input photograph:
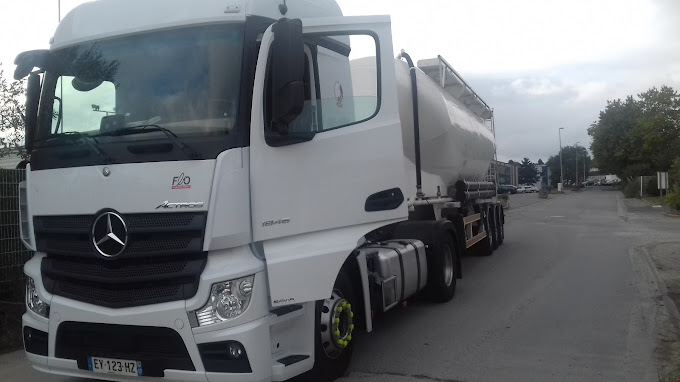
x=228 y=190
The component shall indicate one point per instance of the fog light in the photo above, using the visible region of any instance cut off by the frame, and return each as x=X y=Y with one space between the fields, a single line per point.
x=35 y=341
x=235 y=350
x=224 y=357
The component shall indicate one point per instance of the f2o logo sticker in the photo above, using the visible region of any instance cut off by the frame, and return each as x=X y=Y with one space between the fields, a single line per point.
x=181 y=182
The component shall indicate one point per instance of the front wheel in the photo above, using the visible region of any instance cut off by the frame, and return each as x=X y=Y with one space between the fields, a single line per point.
x=333 y=331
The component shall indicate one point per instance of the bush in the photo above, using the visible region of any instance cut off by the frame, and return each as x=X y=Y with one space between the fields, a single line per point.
x=673 y=200
x=674 y=175
x=632 y=189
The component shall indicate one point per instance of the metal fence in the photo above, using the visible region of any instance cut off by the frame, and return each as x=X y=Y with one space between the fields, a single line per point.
x=13 y=254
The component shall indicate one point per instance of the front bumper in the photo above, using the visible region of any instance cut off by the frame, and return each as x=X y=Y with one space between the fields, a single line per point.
x=253 y=335
x=251 y=329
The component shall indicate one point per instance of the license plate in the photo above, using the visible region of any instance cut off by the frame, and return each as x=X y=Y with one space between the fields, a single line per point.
x=115 y=366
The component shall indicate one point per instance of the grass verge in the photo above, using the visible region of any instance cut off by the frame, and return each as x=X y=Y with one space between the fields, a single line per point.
x=655 y=200
x=666 y=259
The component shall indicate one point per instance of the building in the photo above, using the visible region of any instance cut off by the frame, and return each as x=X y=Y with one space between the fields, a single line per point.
x=508 y=173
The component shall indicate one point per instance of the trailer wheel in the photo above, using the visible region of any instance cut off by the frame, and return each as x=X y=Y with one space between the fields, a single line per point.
x=333 y=331
x=442 y=267
x=493 y=226
x=501 y=225
x=485 y=246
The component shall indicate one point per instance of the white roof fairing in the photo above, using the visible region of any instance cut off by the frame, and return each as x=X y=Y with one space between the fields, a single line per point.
x=106 y=18
x=442 y=73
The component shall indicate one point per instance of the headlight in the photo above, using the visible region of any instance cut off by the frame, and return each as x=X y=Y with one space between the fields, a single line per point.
x=227 y=301
x=33 y=302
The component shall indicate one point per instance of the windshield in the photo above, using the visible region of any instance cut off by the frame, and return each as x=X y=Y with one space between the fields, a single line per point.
x=186 y=80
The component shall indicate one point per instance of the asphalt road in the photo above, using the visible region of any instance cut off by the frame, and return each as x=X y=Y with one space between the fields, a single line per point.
x=563 y=299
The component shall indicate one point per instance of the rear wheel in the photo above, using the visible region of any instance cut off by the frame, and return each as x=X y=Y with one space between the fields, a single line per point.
x=485 y=246
x=333 y=332
x=493 y=226
x=501 y=225
x=442 y=267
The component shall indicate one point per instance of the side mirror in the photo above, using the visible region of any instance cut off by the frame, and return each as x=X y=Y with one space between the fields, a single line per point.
x=287 y=71
x=32 y=100
x=26 y=61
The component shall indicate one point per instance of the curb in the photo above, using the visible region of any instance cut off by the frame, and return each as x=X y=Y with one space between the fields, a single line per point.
x=675 y=216
x=663 y=290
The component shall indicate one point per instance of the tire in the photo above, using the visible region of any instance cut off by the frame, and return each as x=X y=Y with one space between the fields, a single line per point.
x=485 y=246
x=501 y=225
x=459 y=226
x=442 y=267
x=331 y=361
x=494 y=226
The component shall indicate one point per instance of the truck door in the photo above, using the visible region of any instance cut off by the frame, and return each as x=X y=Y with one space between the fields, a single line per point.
x=313 y=198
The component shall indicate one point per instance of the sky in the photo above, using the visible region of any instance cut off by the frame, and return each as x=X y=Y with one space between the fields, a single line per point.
x=541 y=64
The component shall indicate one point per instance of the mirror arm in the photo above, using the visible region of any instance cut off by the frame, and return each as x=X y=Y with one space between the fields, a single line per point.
x=33 y=87
x=61 y=110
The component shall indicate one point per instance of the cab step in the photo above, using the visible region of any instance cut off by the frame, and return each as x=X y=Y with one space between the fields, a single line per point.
x=291 y=359
x=285 y=309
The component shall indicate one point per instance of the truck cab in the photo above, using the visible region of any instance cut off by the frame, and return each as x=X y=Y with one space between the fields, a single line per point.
x=195 y=185
x=224 y=191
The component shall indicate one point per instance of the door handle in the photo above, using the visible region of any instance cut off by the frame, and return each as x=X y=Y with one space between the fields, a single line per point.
x=384 y=200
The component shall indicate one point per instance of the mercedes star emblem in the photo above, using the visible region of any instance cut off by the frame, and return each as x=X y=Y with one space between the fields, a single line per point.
x=109 y=234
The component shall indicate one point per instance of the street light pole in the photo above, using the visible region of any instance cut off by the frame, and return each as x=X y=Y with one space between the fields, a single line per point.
x=559 y=132
x=585 y=154
x=576 y=166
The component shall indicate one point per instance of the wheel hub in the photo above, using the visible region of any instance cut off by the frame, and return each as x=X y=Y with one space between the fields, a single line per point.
x=336 y=324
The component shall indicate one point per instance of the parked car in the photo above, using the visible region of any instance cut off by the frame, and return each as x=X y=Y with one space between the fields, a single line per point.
x=507 y=189
x=529 y=189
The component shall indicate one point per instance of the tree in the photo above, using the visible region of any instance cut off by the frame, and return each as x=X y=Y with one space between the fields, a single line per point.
x=612 y=145
x=12 y=114
x=569 y=163
x=540 y=161
x=659 y=127
x=527 y=172
x=638 y=136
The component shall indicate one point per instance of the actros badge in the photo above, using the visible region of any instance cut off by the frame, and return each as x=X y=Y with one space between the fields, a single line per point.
x=167 y=204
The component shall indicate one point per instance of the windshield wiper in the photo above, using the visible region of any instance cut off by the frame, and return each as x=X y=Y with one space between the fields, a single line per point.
x=88 y=141
x=149 y=128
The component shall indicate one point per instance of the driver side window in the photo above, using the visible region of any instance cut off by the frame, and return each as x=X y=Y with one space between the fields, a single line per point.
x=83 y=106
x=340 y=83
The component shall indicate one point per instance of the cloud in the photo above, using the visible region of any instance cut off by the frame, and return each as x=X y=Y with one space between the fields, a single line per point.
x=536 y=86
x=588 y=92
